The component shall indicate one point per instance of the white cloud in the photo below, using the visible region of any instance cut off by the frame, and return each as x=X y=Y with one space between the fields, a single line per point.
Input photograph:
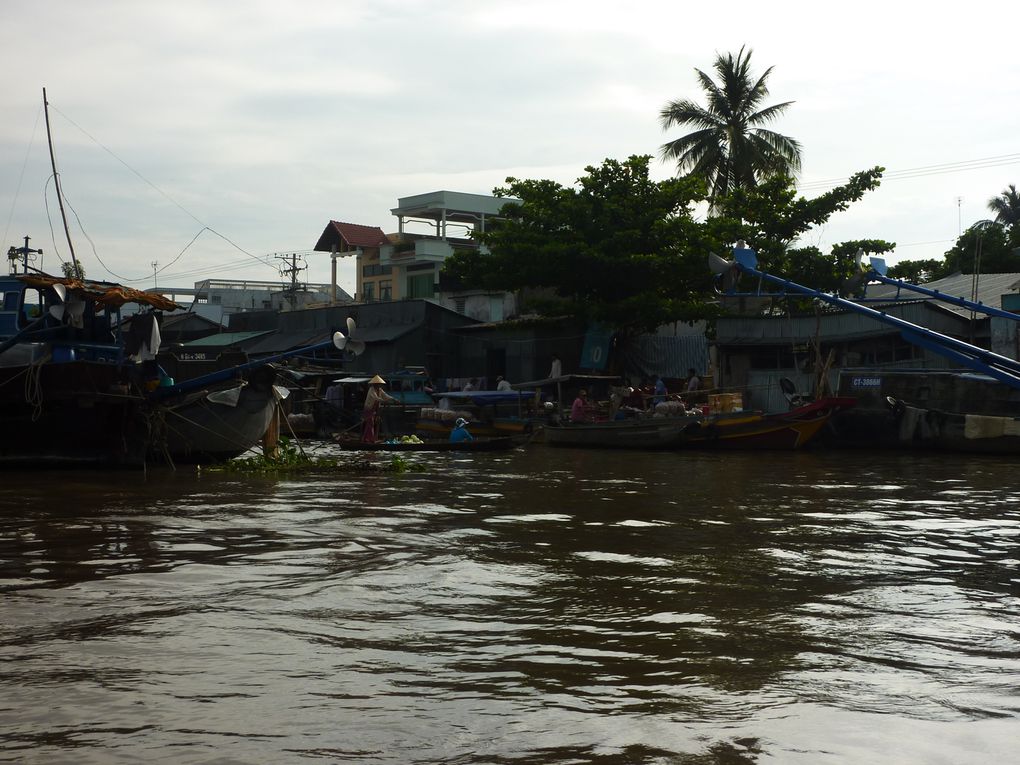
x=265 y=120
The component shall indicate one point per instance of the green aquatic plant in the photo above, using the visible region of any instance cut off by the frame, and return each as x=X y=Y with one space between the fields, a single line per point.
x=290 y=458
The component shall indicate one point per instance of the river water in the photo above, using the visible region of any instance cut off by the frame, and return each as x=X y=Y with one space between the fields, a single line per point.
x=539 y=606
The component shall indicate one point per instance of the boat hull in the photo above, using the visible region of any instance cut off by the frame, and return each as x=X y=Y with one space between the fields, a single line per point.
x=80 y=413
x=653 y=433
x=754 y=430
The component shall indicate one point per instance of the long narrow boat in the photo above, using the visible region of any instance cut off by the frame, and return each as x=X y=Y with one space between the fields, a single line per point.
x=651 y=433
x=477 y=445
x=755 y=430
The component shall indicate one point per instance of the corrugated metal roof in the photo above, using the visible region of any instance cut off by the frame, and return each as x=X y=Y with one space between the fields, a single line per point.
x=278 y=342
x=991 y=288
x=224 y=339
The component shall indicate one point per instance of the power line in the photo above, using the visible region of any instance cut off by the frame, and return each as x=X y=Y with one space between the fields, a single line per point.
x=927 y=170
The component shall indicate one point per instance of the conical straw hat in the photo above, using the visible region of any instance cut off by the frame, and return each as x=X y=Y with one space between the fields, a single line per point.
x=377 y=380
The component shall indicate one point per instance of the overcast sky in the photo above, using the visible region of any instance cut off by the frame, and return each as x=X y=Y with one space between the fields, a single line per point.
x=265 y=120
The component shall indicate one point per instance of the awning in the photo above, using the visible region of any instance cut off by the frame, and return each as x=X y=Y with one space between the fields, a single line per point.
x=104 y=295
x=483 y=397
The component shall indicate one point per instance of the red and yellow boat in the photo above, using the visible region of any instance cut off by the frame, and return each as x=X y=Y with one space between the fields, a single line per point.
x=756 y=430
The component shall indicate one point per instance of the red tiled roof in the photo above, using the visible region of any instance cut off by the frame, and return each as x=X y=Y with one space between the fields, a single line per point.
x=351 y=234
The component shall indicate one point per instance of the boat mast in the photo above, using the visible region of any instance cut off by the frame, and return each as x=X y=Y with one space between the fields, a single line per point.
x=56 y=181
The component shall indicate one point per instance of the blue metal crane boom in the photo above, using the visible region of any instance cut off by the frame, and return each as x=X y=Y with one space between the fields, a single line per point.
x=878 y=274
x=1001 y=368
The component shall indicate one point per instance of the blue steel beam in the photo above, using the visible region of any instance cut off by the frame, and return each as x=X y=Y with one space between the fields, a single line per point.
x=878 y=271
x=1000 y=367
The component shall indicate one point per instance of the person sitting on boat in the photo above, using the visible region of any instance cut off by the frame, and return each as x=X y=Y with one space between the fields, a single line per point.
x=502 y=384
x=370 y=414
x=472 y=384
x=460 y=432
x=660 y=391
x=579 y=409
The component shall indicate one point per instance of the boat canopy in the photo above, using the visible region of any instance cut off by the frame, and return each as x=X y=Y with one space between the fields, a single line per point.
x=103 y=294
x=486 y=397
x=564 y=379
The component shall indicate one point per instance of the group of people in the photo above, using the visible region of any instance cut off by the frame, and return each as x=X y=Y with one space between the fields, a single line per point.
x=635 y=399
x=580 y=411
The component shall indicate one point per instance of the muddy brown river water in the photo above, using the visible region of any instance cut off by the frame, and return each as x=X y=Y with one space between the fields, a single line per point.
x=538 y=606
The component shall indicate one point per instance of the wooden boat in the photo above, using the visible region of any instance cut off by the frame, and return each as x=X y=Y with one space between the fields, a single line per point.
x=955 y=431
x=77 y=387
x=477 y=445
x=648 y=433
x=756 y=430
x=491 y=413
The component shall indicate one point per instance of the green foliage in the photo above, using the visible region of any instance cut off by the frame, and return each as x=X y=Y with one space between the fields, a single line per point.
x=618 y=248
x=72 y=270
x=625 y=250
x=1006 y=206
x=919 y=271
x=730 y=147
x=770 y=217
x=992 y=244
x=290 y=459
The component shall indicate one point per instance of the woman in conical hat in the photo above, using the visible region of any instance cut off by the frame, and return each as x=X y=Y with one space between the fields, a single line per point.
x=370 y=414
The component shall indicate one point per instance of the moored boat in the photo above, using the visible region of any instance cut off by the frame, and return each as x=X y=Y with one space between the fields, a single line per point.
x=646 y=433
x=756 y=430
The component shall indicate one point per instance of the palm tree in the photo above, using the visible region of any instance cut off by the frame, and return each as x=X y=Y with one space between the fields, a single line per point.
x=729 y=146
x=1006 y=206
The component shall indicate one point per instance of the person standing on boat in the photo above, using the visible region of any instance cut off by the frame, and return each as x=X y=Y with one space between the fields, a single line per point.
x=693 y=382
x=556 y=370
x=460 y=432
x=370 y=414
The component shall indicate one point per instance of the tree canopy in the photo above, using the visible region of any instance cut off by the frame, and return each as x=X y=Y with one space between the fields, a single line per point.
x=619 y=247
x=730 y=146
x=622 y=248
x=1006 y=206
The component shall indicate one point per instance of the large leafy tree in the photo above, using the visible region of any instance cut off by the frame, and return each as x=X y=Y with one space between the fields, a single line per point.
x=627 y=250
x=1006 y=206
x=617 y=247
x=919 y=271
x=730 y=146
x=771 y=217
x=988 y=246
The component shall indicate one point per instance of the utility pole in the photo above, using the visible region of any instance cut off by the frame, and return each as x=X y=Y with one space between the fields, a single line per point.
x=155 y=264
x=959 y=217
x=291 y=269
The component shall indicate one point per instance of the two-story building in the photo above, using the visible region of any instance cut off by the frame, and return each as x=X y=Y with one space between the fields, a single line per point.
x=407 y=264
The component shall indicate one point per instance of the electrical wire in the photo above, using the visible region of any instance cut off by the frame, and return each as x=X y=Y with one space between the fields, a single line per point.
x=927 y=170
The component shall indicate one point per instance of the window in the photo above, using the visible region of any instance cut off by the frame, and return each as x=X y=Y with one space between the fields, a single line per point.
x=386 y=290
x=11 y=301
x=421 y=286
x=367 y=292
x=376 y=270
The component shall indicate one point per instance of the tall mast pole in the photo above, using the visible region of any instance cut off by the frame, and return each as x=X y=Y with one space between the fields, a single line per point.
x=56 y=181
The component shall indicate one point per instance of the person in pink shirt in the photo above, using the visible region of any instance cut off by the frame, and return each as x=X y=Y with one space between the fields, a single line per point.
x=579 y=409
